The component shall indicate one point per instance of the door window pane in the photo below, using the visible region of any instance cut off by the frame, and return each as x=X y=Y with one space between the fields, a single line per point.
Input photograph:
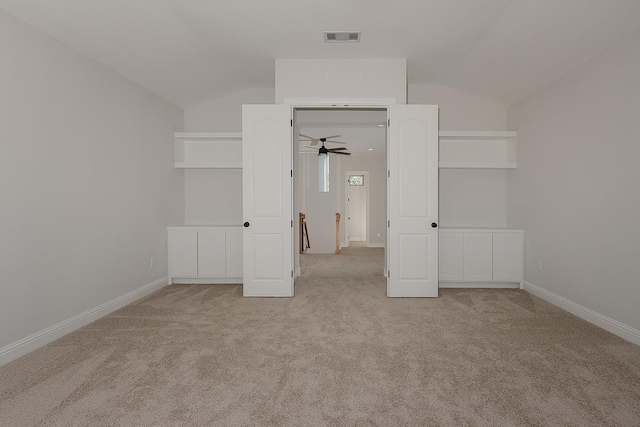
x=356 y=180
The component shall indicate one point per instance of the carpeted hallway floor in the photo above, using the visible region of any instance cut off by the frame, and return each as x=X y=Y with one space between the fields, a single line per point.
x=340 y=353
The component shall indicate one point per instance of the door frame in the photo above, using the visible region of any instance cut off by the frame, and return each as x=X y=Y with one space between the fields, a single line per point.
x=355 y=103
x=346 y=203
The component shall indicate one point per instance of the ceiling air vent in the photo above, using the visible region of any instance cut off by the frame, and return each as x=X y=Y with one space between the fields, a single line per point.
x=341 y=36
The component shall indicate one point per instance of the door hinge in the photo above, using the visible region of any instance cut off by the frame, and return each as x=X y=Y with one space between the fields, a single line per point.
x=388 y=223
x=291 y=223
x=388 y=274
x=291 y=122
x=388 y=174
x=291 y=173
x=291 y=273
x=389 y=122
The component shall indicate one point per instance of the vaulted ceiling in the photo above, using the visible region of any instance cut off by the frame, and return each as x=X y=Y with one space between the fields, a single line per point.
x=190 y=51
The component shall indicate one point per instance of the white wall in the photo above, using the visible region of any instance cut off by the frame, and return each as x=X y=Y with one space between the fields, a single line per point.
x=224 y=114
x=468 y=198
x=341 y=78
x=460 y=110
x=473 y=198
x=214 y=197
x=376 y=165
x=86 y=181
x=576 y=187
x=320 y=207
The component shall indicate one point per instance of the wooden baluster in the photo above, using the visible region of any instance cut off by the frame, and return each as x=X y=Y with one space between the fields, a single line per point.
x=337 y=232
x=301 y=248
x=303 y=232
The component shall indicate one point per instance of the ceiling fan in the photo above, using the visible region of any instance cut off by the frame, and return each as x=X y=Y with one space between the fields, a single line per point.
x=324 y=150
x=314 y=141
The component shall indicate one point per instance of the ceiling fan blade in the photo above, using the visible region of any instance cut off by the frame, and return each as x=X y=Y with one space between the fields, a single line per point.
x=338 y=148
x=308 y=146
x=329 y=137
x=314 y=142
x=336 y=142
x=340 y=152
x=308 y=137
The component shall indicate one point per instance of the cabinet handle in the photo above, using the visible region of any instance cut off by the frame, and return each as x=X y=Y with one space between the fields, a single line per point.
x=434 y=225
x=246 y=224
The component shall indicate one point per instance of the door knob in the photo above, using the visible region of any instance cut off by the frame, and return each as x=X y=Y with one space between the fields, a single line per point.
x=434 y=225
x=246 y=224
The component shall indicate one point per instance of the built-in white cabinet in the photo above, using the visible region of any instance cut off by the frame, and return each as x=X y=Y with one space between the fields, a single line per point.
x=208 y=150
x=182 y=244
x=481 y=258
x=478 y=257
x=478 y=150
x=233 y=252
x=450 y=256
x=212 y=252
x=204 y=254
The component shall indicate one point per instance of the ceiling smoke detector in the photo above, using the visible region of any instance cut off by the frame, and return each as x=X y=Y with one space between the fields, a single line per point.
x=341 y=36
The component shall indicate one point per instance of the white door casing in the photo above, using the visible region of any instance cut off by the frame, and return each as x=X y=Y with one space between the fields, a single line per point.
x=413 y=201
x=267 y=200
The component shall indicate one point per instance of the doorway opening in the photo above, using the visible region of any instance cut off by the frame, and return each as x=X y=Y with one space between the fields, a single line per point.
x=343 y=197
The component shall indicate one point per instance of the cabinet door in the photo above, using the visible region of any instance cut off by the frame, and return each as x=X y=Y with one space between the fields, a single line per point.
x=450 y=256
x=183 y=252
x=508 y=250
x=211 y=253
x=478 y=263
x=234 y=253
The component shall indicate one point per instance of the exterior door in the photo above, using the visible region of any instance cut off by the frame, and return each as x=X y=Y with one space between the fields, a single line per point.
x=357 y=207
x=413 y=201
x=267 y=197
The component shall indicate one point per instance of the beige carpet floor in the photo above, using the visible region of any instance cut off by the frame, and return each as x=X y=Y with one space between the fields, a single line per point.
x=340 y=353
x=353 y=261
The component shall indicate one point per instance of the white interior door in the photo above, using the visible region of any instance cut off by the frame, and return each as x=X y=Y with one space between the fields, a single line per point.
x=357 y=214
x=267 y=197
x=413 y=201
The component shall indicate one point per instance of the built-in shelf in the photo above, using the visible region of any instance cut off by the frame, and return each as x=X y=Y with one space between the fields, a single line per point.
x=478 y=150
x=471 y=165
x=210 y=136
x=481 y=134
x=208 y=150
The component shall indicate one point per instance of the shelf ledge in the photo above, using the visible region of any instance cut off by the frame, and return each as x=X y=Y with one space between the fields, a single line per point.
x=213 y=136
x=208 y=166
x=457 y=165
x=501 y=134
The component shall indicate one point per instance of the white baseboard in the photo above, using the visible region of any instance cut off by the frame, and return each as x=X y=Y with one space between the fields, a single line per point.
x=298 y=272
x=375 y=245
x=606 y=323
x=52 y=333
x=478 y=285
x=357 y=239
